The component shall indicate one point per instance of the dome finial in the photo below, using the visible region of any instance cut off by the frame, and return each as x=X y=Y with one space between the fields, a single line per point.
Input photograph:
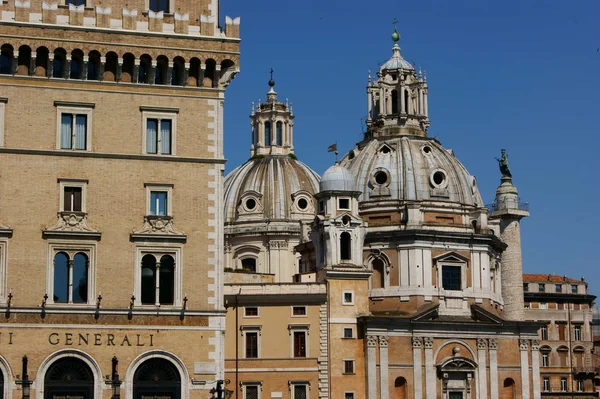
x=271 y=82
x=395 y=35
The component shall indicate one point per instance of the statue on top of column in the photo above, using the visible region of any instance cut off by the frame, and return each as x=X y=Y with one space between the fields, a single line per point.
x=503 y=164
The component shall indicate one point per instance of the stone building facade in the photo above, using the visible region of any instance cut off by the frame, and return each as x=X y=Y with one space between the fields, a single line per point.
x=564 y=306
x=111 y=130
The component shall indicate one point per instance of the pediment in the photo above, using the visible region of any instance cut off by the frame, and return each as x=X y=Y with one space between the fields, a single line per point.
x=451 y=257
x=386 y=148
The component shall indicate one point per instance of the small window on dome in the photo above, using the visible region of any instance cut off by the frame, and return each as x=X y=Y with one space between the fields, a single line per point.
x=385 y=149
x=351 y=155
x=302 y=204
x=438 y=178
x=427 y=149
x=381 y=177
x=250 y=204
x=344 y=203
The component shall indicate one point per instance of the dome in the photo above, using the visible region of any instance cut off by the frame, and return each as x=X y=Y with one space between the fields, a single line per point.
x=396 y=62
x=410 y=168
x=273 y=187
x=337 y=178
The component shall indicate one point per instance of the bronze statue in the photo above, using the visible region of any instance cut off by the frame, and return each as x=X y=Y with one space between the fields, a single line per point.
x=503 y=163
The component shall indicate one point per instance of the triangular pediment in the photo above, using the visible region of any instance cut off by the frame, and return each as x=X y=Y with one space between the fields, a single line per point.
x=386 y=148
x=451 y=257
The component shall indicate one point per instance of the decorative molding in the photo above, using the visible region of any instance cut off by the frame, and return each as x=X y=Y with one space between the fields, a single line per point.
x=493 y=343
x=535 y=344
x=128 y=13
x=23 y=4
x=481 y=343
x=103 y=10
x=182 y=17
x=72 y=224
x=158 y=227
x=78 y=9
x=5 y=231
x=417 y=342
x=523 y=344
x=428 y=342
x=74 y=104
x=156 y=15
x=150 y=108
x=371 y=341
x=383 y=341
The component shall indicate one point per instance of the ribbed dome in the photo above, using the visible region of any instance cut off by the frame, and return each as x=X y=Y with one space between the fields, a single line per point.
x=396 y=62
x=337 y=178
x=273 y=187
x=410 y=168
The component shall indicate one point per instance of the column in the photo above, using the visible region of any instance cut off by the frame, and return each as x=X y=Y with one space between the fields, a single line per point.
x=369 y=103
x=401 y=95
x=481 y=359
x=169 y=78
x=186 y=73
x=425 y=101
x=430 y=378
x=417 y=343
x=84 y=68
x=32 y=63
x=152 y=71
x=381 y=101
x=216 y=77
x=101 y=67
x=535 y=368
x=384 y=385
x=371 y=367
x=136 y=71
x=50 y=70
x=67 y=67
x=421 y=102
x=493 y=350
x=524 y=348
x=15 y=63
x=120 y=70
x=157 y=280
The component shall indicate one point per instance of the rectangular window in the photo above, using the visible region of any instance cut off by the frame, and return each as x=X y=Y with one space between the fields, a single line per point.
x=580 y=385
x=348 y=298
x=72 y=199
x=158 y=136
x=558 y=287
x=348 y=366
x=542 y=287
x=321 y=206
x=251 y=311
x=159 y=5
x=73 y=131
x=348 y=332
x=250 y=391
x=574 y=288
x=560 y=305
x=349 y=395
x=546 y=386
x=525 y=287
x=545 y=359
x=158 y=203
x=544 y=332
x=344 y=203
x=159 y=199
x=76 y=2
x=563 y=384
x=561 y=332
x=298 y=310
x=576 y=306
x=451 y=278
x=299 y=343
x=300 y=392
x=251 y=345
x=577 y=333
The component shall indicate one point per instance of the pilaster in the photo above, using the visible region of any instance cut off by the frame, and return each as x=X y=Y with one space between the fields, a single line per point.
x=430 y=378
x=524 y=348
x=417 y=343
x=383 y=367
x=371 y=367
x=481 y=359
x=535 y=368
x=493 y=351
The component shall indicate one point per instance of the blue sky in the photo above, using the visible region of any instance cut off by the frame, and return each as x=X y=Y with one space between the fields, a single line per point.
x=520 y=75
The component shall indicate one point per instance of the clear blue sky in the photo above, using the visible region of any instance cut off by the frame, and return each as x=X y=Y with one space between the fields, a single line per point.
x=520 y=75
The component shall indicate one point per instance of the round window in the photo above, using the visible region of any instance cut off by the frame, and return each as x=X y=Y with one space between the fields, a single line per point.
x=351 y=155
x=427 y=149
x=250 y=203
x=438 y=178
x=346 y=220
x=381 y=177
x=385 y=150
x=302 y=204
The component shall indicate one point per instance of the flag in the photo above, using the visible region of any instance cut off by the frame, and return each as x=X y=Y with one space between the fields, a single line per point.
x=332 y=148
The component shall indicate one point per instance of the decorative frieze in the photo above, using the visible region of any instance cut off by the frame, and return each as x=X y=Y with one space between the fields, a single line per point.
x=480 y=343
x=383 y=341
x=158 y=226
x=417 y=342
x=371 y=341
x=72 y=223
x=493 y=343
x=428 y=342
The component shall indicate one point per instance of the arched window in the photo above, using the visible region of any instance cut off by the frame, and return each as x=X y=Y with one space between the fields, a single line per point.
x=41 y=62
x=157 y=377
x=378 y=277
x=1 y=385
x=59 y=62
x=24 y=61
x=508 y=389
x=209 y=73
x=76 y=64
x=61 y=278
x=267 y=133
x=167 y=280
x=110 y=67
x=406 y=101
x=69 y=376
x=226 y=66
x=194 y=75
x=177 y=74
x=148 y=280
x=160 y=73
x=6 y=59
x=345 y=246
x=127 y=74
x=144 y=69
x=563 y=354
x=394 y=102
x=93 y=66
x=249 y=264
x=279 y=133
x=400 y=387
x=80 y=278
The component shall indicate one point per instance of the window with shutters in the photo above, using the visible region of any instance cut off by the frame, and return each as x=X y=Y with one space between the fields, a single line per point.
x=74 y=126
x=73 y=194
x=348 y=366
x=251 y=341
x=159 y=130
x=299 y=343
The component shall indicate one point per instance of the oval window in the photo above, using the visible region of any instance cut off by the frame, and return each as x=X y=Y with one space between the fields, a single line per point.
x=438 y=178
x=250 y=204
x=381 y=177
x=302 y=204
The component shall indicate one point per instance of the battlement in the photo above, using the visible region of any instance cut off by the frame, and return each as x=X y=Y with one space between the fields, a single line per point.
x=179 y=17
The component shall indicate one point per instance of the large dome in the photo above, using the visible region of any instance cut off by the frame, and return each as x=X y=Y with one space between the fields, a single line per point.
x=410 y=168
x=273 y=187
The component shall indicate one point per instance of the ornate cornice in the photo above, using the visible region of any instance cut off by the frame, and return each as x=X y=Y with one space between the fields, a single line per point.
x=158 y=227
x=73 y=224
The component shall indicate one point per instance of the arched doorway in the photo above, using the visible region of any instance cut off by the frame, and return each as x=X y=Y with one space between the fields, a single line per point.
x=400 y=388
x=157 y=377
x=457 y=374
x=70 y=377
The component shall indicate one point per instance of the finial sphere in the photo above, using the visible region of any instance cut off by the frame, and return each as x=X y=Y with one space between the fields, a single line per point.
x=395 y=36
x=271 y=83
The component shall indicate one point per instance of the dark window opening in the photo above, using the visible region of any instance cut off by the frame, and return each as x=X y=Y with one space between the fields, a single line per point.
x=451 y=278
x=299 y=343
x=381 y=178
x=159 y=5
x=344 y=203
x=249 y=264
x=251 y=345
x=345 y=246
x=72 y=199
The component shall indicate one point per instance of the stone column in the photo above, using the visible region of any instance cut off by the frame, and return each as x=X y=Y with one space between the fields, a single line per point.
x=381 y=102
x=524 y=348
x=493 y=350
x=401 y=95
x=15 y=62
x=384 y=386
x=50 y=69
x=120 y=70
x=371 y=367
x=426 y=106
x=136 y=71
x=186 y=73
x=152 y=71
x=369 y=104
x=169 y=78
x=101 y=67
x=84 y=69
x=430 y=379
x=535 y=368
x=67 y=68
x=32 y=63
x=481 y=359
x=417 y=343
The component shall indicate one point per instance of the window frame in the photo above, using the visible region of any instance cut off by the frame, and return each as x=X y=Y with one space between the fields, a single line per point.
x=74 y=109
x=71 y=248
x=541 y=287
x=299 y=328
x=175 y=251
x=170 y=7
x=251 y=329
x=3 y=101
x=3 y=267
x=574 y=288
x=339 y=204
x=75 y=183
x=347 y=303
x=159 y=114
x=577 y=332
x=545 y=358
x=245 y=384
x=345 y=362
x=353 y=395
x=166 y=187
x=546 y=384
x=580 y=385
x=293 y=384
x=563 y=384
x=247 y=316
x=351 y=329
x=544 y=332
x=293 y=307
x=558 y=287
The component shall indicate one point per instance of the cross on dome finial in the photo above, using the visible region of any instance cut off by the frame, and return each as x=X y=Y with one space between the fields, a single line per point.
x=271 y=82
x=395 y=35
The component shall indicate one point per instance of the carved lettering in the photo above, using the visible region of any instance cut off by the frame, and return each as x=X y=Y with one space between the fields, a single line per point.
x=110 y=341
x=126 y=339
x=68 y=339
x=97 y=339
x=151 y=339
x=84 y=339
x=53 y=339
x=10 y=337
x=138 y=341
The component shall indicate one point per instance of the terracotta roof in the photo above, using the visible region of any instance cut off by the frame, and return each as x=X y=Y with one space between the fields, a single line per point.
x=547 y=278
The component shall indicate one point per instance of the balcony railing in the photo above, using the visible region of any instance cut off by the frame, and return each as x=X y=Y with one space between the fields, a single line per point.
x=504 y=205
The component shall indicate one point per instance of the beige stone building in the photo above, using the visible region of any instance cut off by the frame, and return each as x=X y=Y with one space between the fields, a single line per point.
x=111 y=164
x=564 y=306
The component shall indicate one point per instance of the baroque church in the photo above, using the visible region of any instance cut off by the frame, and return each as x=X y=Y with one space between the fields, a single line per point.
x=398 y=281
